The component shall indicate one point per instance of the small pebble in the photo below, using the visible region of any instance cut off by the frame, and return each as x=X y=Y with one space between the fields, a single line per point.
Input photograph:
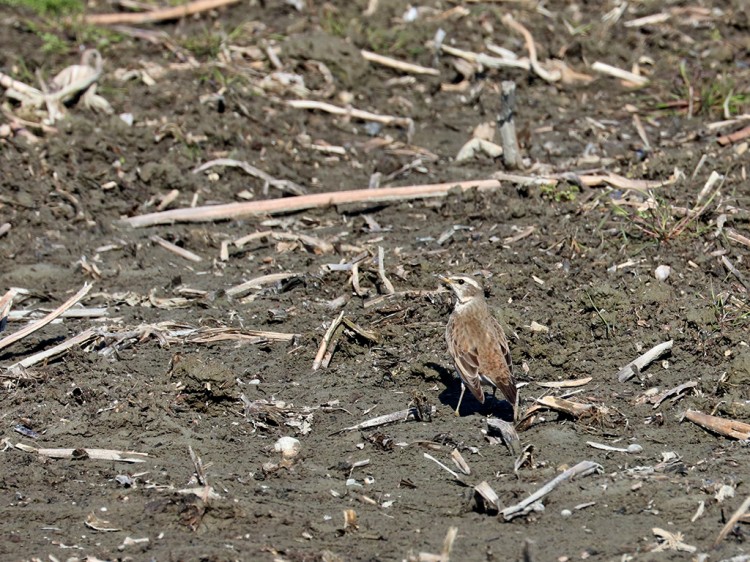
x=287 y=446
x=566 y=513
x=662 y=272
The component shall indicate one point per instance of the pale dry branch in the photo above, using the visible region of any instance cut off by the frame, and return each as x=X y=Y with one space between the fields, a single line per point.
x=157 y=15
x=657 y=400
x=637 y=365
x=486 y=60
x=653 y=19
x=33 y=327
x=733 y=520
x=565 y=384
x=735 y=236
x=398 y=65
x=175 y=249
x=286 y=186
x=722 y=426
x=632 y=448
x=400 y=416
x=387 y=120
x=381 y=272
x=542 y=72
x=258 y=283
x=589 y=180
x=80 y=339
x=630 y=77
x=94 y=454
x=455 y=475
x=532 y=503
x=303 y=202
x=326 y=341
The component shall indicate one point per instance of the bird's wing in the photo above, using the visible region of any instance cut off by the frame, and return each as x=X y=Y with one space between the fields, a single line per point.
x=466 y=359
x=500 y=367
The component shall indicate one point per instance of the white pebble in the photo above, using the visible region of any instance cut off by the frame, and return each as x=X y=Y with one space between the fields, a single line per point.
x=287 y=446
x=662 y=272
x=566 y=513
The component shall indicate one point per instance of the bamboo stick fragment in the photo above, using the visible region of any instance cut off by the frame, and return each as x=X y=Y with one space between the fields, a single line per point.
x=290 y=204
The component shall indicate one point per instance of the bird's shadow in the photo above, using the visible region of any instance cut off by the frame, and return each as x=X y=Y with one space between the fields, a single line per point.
x=470 y=406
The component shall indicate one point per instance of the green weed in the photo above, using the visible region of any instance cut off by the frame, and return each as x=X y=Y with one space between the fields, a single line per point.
x=48 y=7
x=559 y=192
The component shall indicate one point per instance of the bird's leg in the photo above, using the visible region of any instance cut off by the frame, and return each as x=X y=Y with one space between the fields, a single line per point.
x=463 y=389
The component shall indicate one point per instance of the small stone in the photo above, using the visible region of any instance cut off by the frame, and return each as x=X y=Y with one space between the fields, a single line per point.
x=662 y=272
x=566 y=513
x=288 y=447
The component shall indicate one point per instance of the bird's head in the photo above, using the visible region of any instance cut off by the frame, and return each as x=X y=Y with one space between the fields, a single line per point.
x=465 y=287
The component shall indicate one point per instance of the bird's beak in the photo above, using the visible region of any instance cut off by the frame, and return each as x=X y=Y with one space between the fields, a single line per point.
x=444 y=280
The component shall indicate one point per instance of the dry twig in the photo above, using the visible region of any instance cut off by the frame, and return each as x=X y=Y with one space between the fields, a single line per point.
x=175 y=249
x=286 y=186
x=302 y=202
x=629 y=77
x=640 y=363
x=398 y=65
x=532 y=503
x=387 y=120
x=400 y=416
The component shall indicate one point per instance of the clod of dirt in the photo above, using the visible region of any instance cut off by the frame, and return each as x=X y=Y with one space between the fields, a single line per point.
x=341 y=57
x=203 y=380
x=739 y=370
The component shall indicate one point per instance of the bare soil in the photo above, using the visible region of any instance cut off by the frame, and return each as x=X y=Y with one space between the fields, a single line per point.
x=585 y=273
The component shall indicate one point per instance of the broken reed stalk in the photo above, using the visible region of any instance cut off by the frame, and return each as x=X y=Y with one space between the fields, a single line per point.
x=94 y=454
x=157 y=15
x=31 y=328
x=326 y=341
x=318 y=200
x=733 y=520
x=80 y=339
x=508 y=138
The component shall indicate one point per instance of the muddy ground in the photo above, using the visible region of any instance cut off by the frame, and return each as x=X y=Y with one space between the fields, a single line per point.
x=569 y=270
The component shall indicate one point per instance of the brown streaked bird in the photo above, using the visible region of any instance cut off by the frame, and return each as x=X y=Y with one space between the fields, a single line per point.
x=477 y=343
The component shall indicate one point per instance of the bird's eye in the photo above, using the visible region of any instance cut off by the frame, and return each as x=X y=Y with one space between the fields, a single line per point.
x=461 y=281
